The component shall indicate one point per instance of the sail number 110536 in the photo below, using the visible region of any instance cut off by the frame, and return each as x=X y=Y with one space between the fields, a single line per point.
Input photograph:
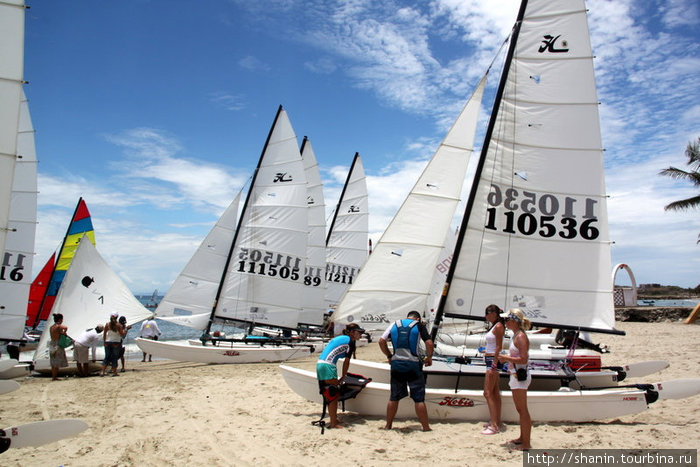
x=530 y=213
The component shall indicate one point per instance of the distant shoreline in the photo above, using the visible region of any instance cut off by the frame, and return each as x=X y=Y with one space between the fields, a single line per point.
x=652 y=314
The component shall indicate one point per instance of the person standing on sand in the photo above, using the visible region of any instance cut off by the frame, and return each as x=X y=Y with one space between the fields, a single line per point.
x=57 y=355
x=112 y=335
x=327 y=371
x=149 y=330
x=520 y=376
x=122 y=348
x=494 y=343
x=81 y=351
x=406 y=365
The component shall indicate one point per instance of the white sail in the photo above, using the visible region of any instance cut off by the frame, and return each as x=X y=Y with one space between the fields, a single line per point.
x=313 y=300
x=346 y=245
x=11 y=76
x=191 y=297
x=265 y=277
x=439 y=277
x=90 y=292
x=398 y=276
x=18 y=256
x=535 y=232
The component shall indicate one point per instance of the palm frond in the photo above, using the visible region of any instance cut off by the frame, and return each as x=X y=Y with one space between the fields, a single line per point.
x=682 y=205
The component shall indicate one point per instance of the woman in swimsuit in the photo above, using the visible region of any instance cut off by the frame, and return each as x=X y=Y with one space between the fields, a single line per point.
x=519 y=380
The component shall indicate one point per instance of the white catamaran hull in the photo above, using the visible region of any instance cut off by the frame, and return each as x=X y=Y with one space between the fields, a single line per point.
x=222 y=354
x=470 y=405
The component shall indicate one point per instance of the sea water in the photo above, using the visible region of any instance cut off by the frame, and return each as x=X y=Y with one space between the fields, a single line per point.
x=690 y=303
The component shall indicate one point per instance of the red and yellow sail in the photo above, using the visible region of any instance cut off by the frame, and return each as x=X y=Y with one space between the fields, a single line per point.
x=44 y=289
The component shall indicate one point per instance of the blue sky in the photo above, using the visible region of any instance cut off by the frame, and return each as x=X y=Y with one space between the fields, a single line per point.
x=156 y=111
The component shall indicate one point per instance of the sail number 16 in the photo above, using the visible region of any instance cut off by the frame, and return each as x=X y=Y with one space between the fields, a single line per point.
x=542 y=214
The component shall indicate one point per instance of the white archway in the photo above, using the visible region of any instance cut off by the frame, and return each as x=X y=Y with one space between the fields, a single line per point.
x=624 y=296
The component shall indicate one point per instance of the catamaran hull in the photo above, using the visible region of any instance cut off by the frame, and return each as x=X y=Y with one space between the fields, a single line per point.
x=222 y=354
x=448 y=375
x=470 y=405
x=17 y=371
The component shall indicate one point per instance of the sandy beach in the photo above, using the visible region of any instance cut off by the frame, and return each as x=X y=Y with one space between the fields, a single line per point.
x=172 y=413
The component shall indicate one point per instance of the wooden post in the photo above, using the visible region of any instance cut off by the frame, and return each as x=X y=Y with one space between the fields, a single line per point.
x=694 y=315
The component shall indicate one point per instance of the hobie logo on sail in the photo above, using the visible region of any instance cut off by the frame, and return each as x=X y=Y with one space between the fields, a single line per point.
x=354 y=208
x=370 y=318
x=549 y=45
x=282 y=177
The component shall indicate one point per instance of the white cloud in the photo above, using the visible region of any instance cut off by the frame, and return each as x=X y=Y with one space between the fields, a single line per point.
x=253 y=64
x=228 y=101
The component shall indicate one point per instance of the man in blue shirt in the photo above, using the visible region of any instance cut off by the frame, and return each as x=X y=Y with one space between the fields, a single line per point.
x=327 y=371
x=406 y=365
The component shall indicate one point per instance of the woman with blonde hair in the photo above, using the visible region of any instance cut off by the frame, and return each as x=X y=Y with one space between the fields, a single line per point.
x=520 y=377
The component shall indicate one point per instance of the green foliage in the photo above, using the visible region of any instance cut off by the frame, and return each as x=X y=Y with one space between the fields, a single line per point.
x=692 y=152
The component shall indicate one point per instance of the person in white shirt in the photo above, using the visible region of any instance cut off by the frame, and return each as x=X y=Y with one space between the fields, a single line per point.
x=149 y=330
x=87 y=340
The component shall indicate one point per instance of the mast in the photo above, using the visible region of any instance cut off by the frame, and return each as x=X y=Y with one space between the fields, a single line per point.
x=342 y=195
x=479 y=169
x=239 y=223
x=37 y=319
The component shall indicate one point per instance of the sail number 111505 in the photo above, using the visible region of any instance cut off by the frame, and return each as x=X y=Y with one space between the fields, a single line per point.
x=530 y=213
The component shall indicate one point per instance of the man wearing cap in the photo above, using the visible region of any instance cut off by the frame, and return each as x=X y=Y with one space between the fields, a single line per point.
x=327 y=371
x=406 y=365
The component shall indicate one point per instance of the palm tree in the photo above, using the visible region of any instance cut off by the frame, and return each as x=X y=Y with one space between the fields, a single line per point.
x=692 y=152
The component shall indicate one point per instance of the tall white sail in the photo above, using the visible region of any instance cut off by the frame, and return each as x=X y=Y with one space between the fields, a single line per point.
x=90 y=292
x=11 y=78
x=399 y=274
x=313 y=300
x=18 y=256
x=265 y=277
x=346 y=244
x=190 y=299
x=535 y=230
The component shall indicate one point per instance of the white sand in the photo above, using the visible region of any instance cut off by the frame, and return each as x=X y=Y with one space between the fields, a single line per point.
x=172 y=413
